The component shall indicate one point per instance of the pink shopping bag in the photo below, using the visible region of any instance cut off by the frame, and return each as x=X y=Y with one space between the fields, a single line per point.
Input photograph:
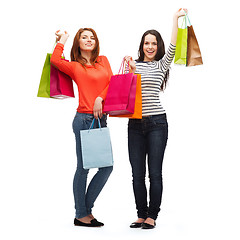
x=61 y=85
x=121 y=94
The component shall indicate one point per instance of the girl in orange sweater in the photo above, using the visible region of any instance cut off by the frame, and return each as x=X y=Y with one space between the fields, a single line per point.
x=92 y=74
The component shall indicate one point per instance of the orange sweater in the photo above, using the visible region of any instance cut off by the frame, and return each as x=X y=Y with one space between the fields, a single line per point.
x=92 y=82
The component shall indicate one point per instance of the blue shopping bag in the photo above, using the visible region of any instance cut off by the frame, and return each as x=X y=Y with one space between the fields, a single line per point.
x=96 y=147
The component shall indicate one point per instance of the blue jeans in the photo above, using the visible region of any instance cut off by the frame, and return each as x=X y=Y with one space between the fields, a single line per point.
x=147 y=137
x=85 y=196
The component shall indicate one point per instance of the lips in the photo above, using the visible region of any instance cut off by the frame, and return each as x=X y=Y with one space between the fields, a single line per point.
x=150 y=52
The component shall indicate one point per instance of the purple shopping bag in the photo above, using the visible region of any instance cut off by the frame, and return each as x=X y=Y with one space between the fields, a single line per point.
x=61 y=85
x=121 y=94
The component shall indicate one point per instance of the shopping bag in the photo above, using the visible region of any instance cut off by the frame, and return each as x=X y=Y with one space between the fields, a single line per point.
x=181 y=45
x=53 y=82
x=121 y=94
x=138 y=102
x=187 y=49
x=194 y=56
x=44 y=85
x=96 y=147
x=61 y=85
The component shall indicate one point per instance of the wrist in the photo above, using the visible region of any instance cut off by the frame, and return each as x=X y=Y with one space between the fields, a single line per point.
x=63 y=39
x=175 y=17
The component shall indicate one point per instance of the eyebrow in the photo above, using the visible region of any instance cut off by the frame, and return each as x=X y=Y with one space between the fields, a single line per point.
x=150 y=42
x=86 y=36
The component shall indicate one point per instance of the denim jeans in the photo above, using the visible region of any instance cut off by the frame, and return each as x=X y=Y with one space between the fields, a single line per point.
x=85 y=196
x=147 y=137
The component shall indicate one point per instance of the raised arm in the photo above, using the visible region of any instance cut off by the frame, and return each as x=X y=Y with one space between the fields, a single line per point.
x=56 y=59
x=179 y=13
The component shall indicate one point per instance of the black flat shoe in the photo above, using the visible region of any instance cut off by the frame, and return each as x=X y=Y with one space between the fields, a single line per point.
x=136 y=225
x=148 y=226
x=94 y=223
x=97 y=222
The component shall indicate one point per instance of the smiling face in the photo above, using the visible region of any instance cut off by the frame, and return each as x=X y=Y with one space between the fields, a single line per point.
x=150 y=47
x=87 y=41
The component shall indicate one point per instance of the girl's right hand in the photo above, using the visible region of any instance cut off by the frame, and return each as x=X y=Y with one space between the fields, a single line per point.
x=131 y=63
x=61 y=37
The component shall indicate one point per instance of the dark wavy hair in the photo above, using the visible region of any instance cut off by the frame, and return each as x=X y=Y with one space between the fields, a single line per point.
x=76 y=52
x=159 y=55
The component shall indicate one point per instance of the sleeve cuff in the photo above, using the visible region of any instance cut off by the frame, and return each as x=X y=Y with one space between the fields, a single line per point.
x=172 y=45
x=60 y=45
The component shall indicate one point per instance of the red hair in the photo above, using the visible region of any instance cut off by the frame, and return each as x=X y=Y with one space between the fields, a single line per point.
x=76 y=52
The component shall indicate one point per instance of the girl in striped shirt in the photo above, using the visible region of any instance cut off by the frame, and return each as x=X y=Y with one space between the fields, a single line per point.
x=147 y=137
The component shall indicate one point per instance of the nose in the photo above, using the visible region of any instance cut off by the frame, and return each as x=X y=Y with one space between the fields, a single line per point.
x=150 y=45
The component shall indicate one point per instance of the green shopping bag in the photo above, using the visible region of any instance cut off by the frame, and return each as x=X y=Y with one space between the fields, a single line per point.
x=44 y=86
x=181 y=45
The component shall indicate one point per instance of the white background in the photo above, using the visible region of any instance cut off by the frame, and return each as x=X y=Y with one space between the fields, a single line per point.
x=201 y=165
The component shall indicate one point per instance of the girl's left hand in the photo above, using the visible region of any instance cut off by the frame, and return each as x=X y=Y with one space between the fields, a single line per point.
x=97 y=108
x=181 y=12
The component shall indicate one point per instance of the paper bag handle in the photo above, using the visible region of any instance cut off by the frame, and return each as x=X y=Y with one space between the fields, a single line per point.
x=99 y=124
x=124 y=67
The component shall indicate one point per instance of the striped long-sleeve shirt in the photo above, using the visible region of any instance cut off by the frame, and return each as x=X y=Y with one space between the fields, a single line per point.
x=152 y=76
